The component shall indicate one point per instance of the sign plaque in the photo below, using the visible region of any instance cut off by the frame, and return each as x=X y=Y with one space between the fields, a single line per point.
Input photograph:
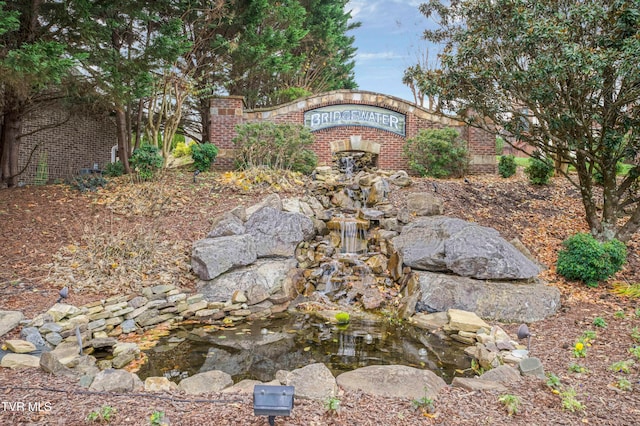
x=355 y=115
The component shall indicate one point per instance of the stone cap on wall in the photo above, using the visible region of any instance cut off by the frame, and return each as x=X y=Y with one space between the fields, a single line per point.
x=345 y=96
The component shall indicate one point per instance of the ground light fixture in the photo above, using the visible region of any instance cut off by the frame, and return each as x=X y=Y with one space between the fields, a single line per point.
x=523 y=332
x=272 y=401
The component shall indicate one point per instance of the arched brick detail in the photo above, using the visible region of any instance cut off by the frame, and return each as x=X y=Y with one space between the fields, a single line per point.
x=228 y=112
x=354 y=144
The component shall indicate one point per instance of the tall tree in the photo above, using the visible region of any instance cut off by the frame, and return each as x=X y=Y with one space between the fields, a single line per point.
x=560 y=75
x=264 y=50
x=33 y=64
x=124 y=43
x=327 y=50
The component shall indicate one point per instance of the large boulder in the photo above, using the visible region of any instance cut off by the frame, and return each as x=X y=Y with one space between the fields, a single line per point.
x=510 y=301
x=214 y=256
x=439 y=243
x=277 y=233
x=313 y=381
x=258 y=281
x=111 y=380
x=210 y=381
x=394 y=381
x=9 y=320
x=482 y=253
x=226 y=225
x=424 y=204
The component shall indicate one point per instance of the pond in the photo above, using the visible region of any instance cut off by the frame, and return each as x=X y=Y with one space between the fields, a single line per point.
x=258 y=349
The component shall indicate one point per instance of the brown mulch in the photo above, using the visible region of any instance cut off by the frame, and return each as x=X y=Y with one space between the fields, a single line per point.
x=46 y=230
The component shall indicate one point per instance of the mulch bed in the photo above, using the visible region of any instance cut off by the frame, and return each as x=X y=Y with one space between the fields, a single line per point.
x=39 y=222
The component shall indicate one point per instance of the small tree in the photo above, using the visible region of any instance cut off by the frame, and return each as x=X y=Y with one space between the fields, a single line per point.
x=437 y=153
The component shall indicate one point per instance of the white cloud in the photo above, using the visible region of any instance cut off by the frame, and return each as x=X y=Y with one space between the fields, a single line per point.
x=362 y=57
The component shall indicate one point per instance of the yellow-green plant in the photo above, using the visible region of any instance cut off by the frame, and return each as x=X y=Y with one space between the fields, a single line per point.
x=635 y=334
x=569 y=401
x=635 y=351
x=577 y=368
x=342 y=317
x=510 y=402
x=332 y=405
x=553 y=381
x=624 y=384
x=103 y=414
x=622 y=366
x=579 y=350
x=425 y=403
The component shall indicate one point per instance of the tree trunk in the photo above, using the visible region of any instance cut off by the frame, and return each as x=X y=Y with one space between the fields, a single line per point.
x=123 y=141
x=205 y=121
x=10 y=153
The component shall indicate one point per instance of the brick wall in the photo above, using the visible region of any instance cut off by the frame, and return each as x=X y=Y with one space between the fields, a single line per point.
x=77 y=143
x=227 y=112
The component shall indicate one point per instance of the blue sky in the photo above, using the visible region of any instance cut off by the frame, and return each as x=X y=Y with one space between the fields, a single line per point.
x=388 y=41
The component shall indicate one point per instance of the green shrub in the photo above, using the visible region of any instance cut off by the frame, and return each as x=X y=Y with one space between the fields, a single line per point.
x=499 y=145
x=182 y=150
x=588 y=260
x=437 y=153
x=114 y=169
x=276 y=146
x=146 y=160
x=89 y=182
x=539 y=169
x=507 y=166
x=203 y=155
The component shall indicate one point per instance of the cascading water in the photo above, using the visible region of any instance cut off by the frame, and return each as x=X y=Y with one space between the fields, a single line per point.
x=348 y=163
x=351 y=237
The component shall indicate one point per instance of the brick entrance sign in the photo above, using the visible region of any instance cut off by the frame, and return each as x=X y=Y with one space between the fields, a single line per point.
x=349 y=120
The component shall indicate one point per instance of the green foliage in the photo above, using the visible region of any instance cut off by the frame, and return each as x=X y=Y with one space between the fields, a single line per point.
x=622 y=366
x=157 y=418
x=276 y=146
x=624 y=384
x=599 y=179
x=577 y=368
x=342 y=317
x=42 y=170
x=635 y=334
x=146 y=160
x=507 y=166
x=569 y=401
x=90 y=182
x=498 y=57
x=437 y=153
x=182 y=150
x=599 y=322
x=635 y=351
x=425 y=403
x=553 y=381
x=499 y=145
x=114 y=169
x=539 y=169
x=332 y=405
x=511 y=403
x=203 y=155
x=103 y=414
x=589 y=335
x=588 y=260
x=618 y=314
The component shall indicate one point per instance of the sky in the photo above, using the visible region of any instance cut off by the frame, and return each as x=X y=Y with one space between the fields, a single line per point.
x=388 y=41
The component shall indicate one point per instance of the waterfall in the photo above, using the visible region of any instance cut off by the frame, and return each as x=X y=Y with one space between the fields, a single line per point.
x=348 y=163
x=349 y=235
x=328 y=274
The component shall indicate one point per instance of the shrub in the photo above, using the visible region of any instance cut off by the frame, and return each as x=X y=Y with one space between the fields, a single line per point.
x=499 y=145
x=146 y=160
x=437 y=153
x=182 y=150
x=599 y=179
x=588 y=260
x=84 y=183
x=539 y=169
x=203 y=155
x=507 y=166
x=276 y=146
x=114 y=169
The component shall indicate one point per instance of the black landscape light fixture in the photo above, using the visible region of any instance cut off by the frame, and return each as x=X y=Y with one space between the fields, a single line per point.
x=523 y=331
x=272 y=401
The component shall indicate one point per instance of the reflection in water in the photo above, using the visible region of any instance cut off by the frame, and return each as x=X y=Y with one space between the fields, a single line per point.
x=294 y=341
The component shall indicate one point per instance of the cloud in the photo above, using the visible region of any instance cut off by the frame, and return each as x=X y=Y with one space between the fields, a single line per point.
x=377 y=56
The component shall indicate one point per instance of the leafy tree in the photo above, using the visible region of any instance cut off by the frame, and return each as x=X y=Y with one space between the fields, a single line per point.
x=33 y=65
x=124 y=43
x=560 y=75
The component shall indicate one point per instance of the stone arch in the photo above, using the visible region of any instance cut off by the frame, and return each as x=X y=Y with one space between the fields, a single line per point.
x=355 y=143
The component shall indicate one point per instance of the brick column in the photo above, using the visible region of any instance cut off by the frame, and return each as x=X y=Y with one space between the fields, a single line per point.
x=225 y=114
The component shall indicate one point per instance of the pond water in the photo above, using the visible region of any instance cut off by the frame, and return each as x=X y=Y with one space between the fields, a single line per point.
x=257 y=350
